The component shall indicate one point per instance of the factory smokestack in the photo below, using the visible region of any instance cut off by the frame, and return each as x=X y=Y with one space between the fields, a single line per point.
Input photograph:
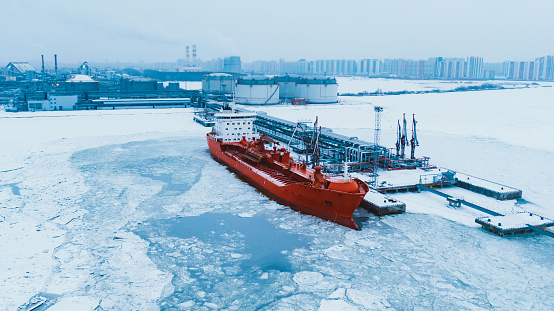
x=188 y=56
x=56 y=65
x=194 y=55
x=42 y=56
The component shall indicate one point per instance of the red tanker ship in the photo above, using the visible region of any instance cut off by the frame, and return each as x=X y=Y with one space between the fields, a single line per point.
x=272 y=171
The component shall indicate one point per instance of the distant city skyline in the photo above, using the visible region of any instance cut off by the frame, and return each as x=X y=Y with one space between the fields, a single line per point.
x=134 y=31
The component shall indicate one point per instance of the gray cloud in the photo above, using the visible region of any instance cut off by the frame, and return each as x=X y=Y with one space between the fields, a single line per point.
x=159 y=30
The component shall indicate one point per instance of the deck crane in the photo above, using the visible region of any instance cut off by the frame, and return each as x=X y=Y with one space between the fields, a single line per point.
x=310 y=141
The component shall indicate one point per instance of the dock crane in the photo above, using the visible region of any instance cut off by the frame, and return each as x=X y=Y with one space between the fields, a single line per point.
x=413 y=142
x=403 y=138
x=398 y=138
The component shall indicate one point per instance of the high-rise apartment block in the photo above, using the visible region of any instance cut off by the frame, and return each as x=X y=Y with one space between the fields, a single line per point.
x=541 y=69
x=470 y=68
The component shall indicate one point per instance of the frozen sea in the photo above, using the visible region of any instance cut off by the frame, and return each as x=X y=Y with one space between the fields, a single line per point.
x=125 y=210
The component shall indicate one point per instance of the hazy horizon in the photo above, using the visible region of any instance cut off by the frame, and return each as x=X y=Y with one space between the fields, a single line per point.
x=134 y=31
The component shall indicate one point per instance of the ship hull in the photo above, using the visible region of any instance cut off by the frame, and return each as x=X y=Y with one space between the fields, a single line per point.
x=327 y=204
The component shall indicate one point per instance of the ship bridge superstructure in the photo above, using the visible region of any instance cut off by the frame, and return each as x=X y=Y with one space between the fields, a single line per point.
x=233 y=126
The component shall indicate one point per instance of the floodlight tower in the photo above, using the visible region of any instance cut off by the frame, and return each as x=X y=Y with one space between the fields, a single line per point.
x=376 y=141
x=377 y=136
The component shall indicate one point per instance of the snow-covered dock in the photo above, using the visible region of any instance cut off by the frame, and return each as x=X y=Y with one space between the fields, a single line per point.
x=514 y=223
x=381 y=204
x=378 y=203
x=409 y=180
x=205 y=122
x=486 y=187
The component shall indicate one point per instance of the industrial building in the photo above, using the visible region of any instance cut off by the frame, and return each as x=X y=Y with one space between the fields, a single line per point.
x=232 y=64
x=81 y=83
x=134 y=103
x=257 y=90
x=218 y=83
x=85 y=69
x=138 y=84
x=20 y=71
x=54 y=102
x=317 y=90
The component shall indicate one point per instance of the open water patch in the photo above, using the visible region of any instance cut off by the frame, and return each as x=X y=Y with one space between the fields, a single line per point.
x=265 y=244
x=256 y=242
x=221 y=258
x=15 y=189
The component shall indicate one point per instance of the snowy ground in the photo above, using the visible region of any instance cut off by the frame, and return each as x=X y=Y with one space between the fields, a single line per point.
x=126 y=210
x=364 y=84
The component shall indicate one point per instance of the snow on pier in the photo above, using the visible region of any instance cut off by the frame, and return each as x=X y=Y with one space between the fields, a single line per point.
x=514 y=223
x=378 y=203
x=486 y=187
x=381 y=204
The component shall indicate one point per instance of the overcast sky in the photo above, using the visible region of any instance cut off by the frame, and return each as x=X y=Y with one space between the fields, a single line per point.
x=159 y=30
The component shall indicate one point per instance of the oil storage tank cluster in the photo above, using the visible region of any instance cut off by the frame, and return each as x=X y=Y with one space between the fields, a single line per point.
x=317 y=90
x=287 y=86
x=218 y=83
x=257 y=90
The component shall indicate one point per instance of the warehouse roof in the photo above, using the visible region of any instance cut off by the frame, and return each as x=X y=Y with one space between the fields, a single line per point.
x=22 y=67
x=80 y=78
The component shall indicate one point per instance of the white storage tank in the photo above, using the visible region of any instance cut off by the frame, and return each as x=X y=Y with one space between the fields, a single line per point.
x=287 y=86
x=218 y=83
x=317 y=90
x=257 y=90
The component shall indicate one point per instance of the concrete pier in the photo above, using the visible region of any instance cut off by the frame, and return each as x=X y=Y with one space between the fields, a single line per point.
x=381 y=204
x=486 y=187
x=514 y=223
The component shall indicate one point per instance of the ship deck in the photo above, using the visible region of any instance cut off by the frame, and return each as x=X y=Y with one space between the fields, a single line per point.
x=281 y=175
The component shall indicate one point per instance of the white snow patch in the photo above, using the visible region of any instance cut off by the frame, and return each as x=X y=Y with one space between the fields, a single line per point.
x=311 y=281
x=336 y=305
x=335 y=252
x=186 y=305
x=307 y=278
x=81 y=303
x=211 y=305
x=368 y=300
x=340 y=293
x=247 y=214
